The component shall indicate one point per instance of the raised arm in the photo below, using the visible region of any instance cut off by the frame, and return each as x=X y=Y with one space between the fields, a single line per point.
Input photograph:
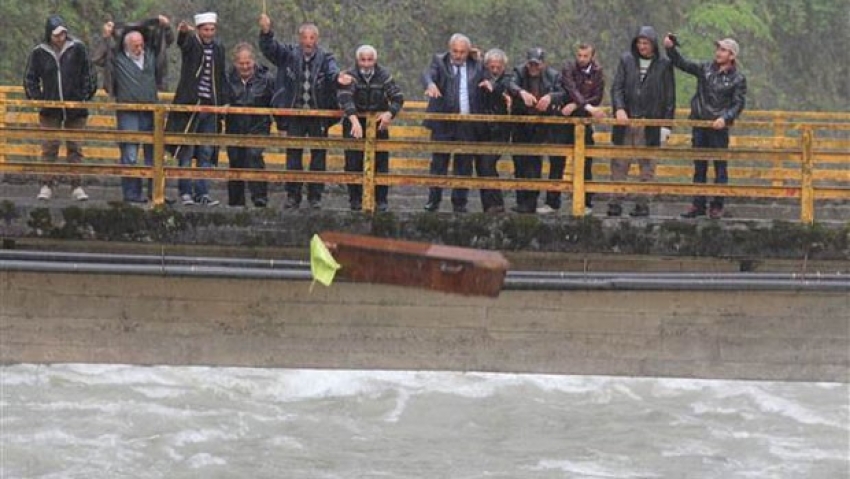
x=682 y=63
x=275 y=51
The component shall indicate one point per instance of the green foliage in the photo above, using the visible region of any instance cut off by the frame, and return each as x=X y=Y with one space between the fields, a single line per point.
x=796 y=53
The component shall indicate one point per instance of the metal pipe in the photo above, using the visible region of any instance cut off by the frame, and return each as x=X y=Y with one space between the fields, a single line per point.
x=23 y=255
x=613 y=282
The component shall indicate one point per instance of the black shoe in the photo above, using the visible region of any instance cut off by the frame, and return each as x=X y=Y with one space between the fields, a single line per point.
x=356 y=205
x=432 y=207
x=291 y=204
x=693 y=212
x=615 y=210
x=715 y=213
x=315 y=204
x=459 y=208
x=639 y=211
x=383 y=207
x=261 y=202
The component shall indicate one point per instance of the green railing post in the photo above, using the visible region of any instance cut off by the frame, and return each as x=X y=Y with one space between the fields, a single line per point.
x=159 y=156
x=579 y=154
x=807 y=192
x=371 y=133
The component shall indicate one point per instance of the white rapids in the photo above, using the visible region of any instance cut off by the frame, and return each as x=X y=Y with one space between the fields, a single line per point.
x=92 y=421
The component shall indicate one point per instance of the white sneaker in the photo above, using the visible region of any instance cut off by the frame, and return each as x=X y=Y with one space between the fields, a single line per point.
x=79 y=194
x=207 y=201
x=45 y=193
x=545 y=210
x=187 y=200
x=588 y=211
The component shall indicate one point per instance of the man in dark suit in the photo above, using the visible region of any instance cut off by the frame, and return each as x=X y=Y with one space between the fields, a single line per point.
x=450 y=85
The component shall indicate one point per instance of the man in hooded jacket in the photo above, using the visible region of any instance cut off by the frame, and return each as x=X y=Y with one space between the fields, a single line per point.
x=644 y=87
x=59 y=69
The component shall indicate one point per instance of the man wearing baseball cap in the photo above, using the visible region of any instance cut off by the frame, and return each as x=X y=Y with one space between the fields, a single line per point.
x=720 y=98
x=59 y=69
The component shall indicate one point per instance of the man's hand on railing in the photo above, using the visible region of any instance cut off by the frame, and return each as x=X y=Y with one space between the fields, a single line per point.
x=595 y=111
x=719 y=124
x=509 y=101
x=622 y=117
x=384 y=120
x=356 y=127
x=265 y=23
x=544 y=102
x=432 y=91
x=568 y=109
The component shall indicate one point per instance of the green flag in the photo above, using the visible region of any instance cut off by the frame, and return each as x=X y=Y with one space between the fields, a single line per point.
x=323 y=266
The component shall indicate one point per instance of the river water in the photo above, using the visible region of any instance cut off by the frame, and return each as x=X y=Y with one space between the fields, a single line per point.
x=91 y=421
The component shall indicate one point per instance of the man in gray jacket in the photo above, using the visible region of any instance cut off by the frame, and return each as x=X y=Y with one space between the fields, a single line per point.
x=131 y=72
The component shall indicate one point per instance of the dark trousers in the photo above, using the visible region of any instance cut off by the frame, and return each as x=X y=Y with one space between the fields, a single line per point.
x=354 y=162
x=205 y=155
x=529 y=166
x=246 y=158
x=486 y=166
x=710 y=138
x=306 y=127
x=557 y=164
x=461 y=166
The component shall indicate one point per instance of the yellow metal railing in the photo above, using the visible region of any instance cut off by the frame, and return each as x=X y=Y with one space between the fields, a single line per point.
x=813 y=163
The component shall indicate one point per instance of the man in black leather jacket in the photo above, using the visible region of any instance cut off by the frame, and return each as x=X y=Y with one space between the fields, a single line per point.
x=372 y=89
x=644 y=87
x=251 y=85
x=720 y=97
x=536 y=87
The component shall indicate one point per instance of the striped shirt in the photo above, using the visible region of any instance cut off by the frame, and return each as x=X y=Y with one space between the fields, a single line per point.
x=205 y=81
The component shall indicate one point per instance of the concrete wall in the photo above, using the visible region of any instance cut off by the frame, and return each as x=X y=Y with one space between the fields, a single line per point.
x=188 y=321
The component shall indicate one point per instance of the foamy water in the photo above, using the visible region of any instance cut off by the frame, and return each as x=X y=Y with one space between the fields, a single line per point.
x=122 y=421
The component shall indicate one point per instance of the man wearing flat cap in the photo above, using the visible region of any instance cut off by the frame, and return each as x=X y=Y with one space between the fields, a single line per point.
x=537 y=87
x=203 y=81
x=720 y=98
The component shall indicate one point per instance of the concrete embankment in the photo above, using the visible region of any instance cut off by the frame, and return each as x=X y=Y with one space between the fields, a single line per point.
x=102 y=318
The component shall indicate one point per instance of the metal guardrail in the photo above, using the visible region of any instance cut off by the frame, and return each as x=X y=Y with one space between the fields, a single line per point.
x=803 y=154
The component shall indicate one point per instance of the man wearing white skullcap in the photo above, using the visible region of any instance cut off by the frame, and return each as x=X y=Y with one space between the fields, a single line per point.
x=203 y=81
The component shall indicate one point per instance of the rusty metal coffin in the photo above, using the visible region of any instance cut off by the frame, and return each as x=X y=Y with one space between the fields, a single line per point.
x=367 y=259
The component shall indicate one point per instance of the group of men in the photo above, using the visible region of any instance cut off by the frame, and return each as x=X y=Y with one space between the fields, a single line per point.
x=461 y=81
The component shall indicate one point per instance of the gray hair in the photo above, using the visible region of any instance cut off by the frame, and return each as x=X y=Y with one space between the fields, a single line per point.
x=308 y=26
x=497 y=55
x=131 y=35
x=242 y=47
x=366 y=49
x=460 y=37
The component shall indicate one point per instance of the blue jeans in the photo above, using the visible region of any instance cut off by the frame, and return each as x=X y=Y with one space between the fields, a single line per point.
x=709 y=138
x=201 y=123
x=134 y=121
